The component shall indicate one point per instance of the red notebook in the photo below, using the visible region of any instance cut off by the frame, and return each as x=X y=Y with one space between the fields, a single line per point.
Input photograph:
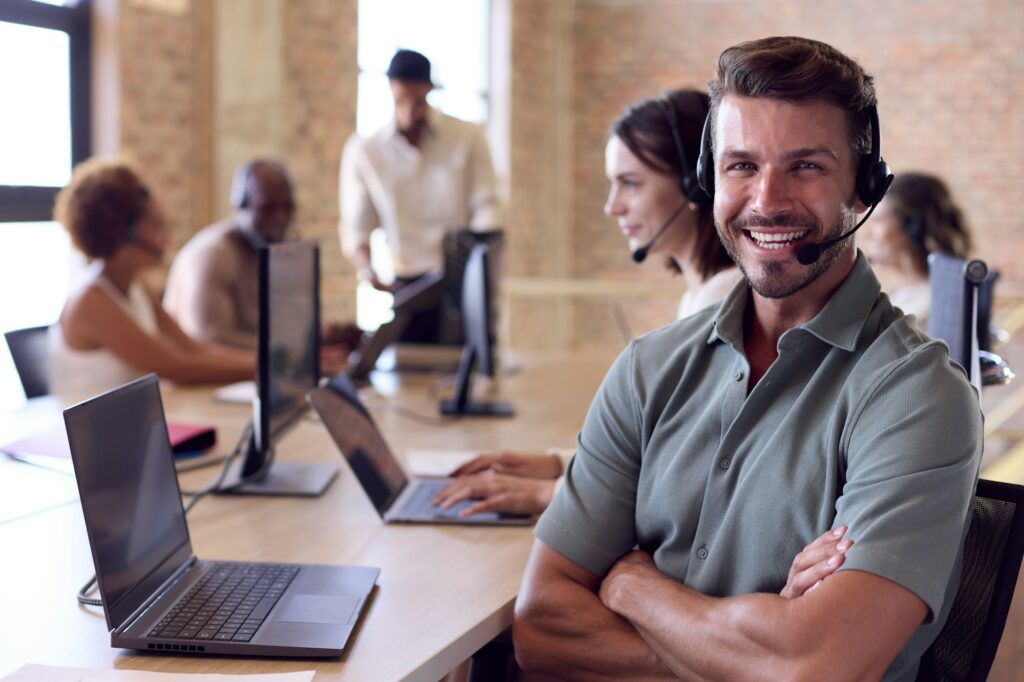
x=53 y=442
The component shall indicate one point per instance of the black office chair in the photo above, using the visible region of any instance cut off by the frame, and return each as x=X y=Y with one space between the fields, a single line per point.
x=967 y=644
x=961 y=293
x=29 y=350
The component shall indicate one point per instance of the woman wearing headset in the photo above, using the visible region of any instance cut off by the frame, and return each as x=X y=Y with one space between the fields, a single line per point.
x=650 y=162
x=112 y=329
x=917 y=216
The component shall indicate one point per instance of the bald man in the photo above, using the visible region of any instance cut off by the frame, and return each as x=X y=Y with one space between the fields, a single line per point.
x=213 y=287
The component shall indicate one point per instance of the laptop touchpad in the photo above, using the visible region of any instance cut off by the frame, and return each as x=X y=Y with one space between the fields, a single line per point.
x=320 y=608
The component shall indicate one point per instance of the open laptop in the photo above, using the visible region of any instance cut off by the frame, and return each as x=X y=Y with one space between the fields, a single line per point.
x=156 y=594
x=397 y=497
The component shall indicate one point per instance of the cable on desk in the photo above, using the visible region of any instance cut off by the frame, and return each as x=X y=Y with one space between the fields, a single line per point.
x=243 y=439
x=429 y=420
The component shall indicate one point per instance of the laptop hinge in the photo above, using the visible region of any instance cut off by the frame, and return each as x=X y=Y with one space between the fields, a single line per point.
x=157 y=593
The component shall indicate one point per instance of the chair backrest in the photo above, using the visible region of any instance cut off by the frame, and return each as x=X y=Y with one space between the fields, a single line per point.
x=954 y=308
x=30 y=352
x=966 y=646
x=986 y=298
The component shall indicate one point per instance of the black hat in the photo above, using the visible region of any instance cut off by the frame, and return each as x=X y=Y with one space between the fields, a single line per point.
x=409 y=65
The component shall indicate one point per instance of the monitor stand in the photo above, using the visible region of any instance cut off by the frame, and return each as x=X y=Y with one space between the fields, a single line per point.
x=295 y=479
x=460 y=404
x=474 y=408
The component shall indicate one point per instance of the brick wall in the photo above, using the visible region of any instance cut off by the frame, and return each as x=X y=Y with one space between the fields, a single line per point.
x=320 y=114
x=164 y=121
x=167 y=114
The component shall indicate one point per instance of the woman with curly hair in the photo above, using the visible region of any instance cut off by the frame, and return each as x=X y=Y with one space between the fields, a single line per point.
x=918 y=216
x=112 y=329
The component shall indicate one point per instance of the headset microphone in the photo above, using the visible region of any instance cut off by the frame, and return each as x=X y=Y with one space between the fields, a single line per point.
x=148 y=248
x=810 y=253
x=640 y=255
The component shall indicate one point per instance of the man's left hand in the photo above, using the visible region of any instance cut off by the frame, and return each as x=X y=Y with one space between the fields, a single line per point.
x=634 y=565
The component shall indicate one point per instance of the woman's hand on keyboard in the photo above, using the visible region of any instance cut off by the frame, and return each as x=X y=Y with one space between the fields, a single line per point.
x=513 y=464
x=495 y=492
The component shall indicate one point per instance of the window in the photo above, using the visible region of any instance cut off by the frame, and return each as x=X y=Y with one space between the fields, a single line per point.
x=44 y=131
x=455 y=36
x=459 y=66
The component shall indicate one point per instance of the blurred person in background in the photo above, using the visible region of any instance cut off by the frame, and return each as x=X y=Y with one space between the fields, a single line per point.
x=918 y=216
x=112 y=329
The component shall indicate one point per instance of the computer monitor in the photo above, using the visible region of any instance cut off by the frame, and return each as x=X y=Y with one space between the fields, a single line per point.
x=478 y=328
x=455 y=249
x=424 y=293
x=288 y=366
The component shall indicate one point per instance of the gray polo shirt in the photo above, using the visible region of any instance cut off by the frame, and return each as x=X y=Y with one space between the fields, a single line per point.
x=862 y=421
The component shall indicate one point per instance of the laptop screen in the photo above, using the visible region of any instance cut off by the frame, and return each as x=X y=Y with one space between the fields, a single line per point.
x=359 y=440
x=129 y=491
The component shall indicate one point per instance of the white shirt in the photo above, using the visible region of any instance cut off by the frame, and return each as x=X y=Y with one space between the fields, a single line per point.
x=417 y=193
x=914 y=299
x=711 y=291
x=78 y=374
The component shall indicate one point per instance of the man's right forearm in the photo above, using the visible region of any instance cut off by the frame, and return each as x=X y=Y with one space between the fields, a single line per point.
x=561 y=628
x=361 y=259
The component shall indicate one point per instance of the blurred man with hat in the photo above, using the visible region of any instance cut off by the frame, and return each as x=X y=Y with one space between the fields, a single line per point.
x=422 y=174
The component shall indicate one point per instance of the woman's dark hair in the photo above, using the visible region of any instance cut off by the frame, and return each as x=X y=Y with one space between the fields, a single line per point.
x=101 y=206
x=930 y=216
x=646 y=131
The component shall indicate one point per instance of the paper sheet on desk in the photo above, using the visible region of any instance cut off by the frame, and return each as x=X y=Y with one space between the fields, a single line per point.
x=49 y=673
x=436 y=462
x=241 y=393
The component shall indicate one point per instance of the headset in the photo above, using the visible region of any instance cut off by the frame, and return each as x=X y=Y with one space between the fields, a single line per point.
x=131 y=230
x=873 y=180
x=239 y=196
x=914 y=227
x=688 y=182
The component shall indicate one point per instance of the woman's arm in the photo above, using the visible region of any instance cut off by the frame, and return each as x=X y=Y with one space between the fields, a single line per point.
x=94 y=320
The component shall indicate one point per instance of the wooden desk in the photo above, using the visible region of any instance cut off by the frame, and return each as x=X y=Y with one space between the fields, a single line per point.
x=443 y=592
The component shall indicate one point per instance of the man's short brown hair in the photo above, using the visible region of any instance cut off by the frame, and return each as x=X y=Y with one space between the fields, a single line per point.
x=798 y=70
x=101 y=205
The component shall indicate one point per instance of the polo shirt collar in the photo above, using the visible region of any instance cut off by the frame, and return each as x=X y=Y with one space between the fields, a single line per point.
x=838 y=324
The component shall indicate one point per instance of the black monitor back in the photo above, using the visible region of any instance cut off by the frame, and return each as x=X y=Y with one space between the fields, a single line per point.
x=457 y=246
x=289 y=344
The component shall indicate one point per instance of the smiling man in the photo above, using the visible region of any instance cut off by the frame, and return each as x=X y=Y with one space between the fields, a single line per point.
x=721 y=446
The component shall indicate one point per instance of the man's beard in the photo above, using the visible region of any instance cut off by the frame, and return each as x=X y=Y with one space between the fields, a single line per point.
x=771 y=280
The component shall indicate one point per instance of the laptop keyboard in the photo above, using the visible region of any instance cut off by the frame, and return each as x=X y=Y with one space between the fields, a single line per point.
x=421 y=501
x=229 y=603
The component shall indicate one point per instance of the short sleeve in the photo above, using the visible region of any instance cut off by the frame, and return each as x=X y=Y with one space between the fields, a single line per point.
x=913 y=455
x=591 y=519
x=358 y=214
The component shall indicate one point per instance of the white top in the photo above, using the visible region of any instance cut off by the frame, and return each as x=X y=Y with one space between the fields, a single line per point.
x=78 y=374
x=711 y=291
x=417 y=193
x=915 y=299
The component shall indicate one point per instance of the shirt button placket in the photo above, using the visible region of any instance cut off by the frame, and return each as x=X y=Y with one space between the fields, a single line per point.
x=702 y=553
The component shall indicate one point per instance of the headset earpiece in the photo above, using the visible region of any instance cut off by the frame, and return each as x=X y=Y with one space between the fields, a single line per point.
x=706 y=160
x=689 y=185
x=913 y=226
x=873 y=174
x=131 y=230
x=240 y=186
